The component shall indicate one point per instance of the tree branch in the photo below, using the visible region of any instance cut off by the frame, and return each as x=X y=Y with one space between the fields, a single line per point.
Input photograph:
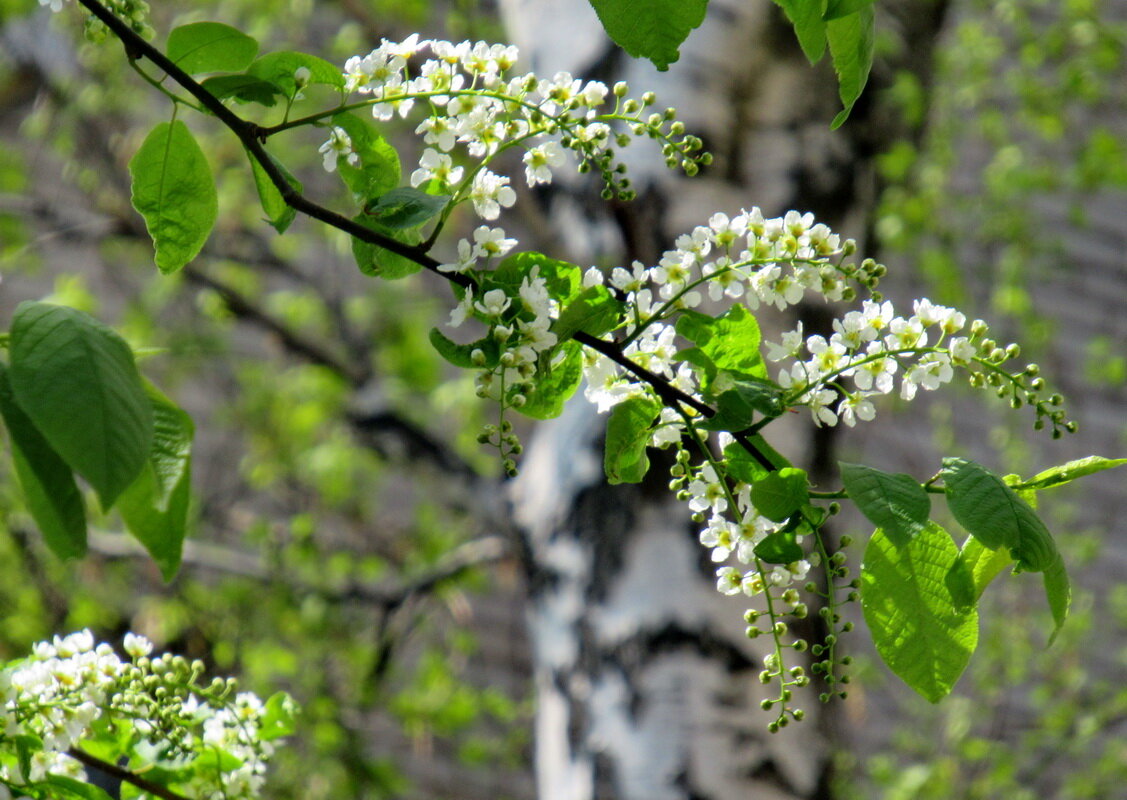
x=251 y=136
x=124 y=775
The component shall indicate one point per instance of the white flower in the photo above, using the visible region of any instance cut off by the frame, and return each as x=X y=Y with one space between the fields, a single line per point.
x=539 y=160
x=789 y=347
x=856 y=406
x=489 y=193
x=629 y=281
x=729 y=581
x=437 y=131
x=136 y=645
x=491 y=242
x=436 y=166
x=493 y=303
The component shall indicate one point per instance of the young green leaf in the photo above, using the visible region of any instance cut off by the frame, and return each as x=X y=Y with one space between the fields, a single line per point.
x=278 y=212
x=1058 y=476
x=851 y=41
x=984 y=564
x=836 y=9
x=47 y=482
x=75 y=378
x=780 y=547
x=65 y=788
x=406 y=207
x=210 y=47
x=563 y=279
x=155 y=506
x=743 y=466
x=895 y=503
x=277 y=717
x=919 y=630
x=652 y=29
x=1058 y=591
x=996 y=515
x=731 y=341
x=551 y=390
x=379 y=168
x=809 y=26
x=279 y=69
x=381 y=262
x=779 y=494
x=595 y=311
x=244 y=88
x=174 y=191
x=628 y=434
x=461 y=355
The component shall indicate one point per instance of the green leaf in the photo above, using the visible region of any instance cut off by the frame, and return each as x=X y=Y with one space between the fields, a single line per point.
x=155 y=506
x=731 y=341
x=743 y=466
x=210 y=47
x=278 y=717
x=279 y=68
x=460 y=355
x=278 y=212
x=563 y=279
x=551 y=390
x=652 y=29
x=779 y=547
x=244 y=88
x=777 y=495
x=851 y=41
x=1058 y=592
x=1058 y=476
x=809 y=26
x=175 y=193
x=918 y=629
x=960 y=583
x=406 y=207
x=983 y=564
x=379 y=169
x=836 y=9
x=64 y=788
x=47 y=482
x=996 y=515
x=736 y=408
x=379 y=261
x=595 y=311
x=628 y=434
x=75 y=378
x=895 y=503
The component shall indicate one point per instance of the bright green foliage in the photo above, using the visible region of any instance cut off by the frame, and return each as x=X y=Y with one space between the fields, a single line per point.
x=278 y=213
x=279 y=68
x=983 y=564
x=777 y=495
x=628 y=434
x=76 y=380
x=47 y=482
x=851 y=41
x=378 y=172
x=556 y=383
x=406 y=207
x=210 y=47
x=781 y=547
x=461 y=355
x=155 y=506
x=729 y=342
x=1058 y=476
x=175 y=193
x=848 y=27
x=994 y=514
x=895 y=503
x=594 y=312
x=379 y=261
x=736 y=407
x=919 y=630
x=652 y=29
x=244 y=88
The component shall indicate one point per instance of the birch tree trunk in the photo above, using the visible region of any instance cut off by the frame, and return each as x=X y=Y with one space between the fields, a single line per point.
x=646 y=684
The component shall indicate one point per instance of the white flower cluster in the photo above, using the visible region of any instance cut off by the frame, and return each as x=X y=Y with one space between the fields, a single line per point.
x=57 y=694
x=134 y=12
x=748 y=258
x=473 y=101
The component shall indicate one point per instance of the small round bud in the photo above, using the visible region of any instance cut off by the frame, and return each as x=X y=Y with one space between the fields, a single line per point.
x=621 y=89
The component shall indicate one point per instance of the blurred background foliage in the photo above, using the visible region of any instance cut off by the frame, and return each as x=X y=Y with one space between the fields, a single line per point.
x=342 y=555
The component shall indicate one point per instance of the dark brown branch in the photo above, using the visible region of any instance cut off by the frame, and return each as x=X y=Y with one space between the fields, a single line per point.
x=124 y=775
x=251 y=137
